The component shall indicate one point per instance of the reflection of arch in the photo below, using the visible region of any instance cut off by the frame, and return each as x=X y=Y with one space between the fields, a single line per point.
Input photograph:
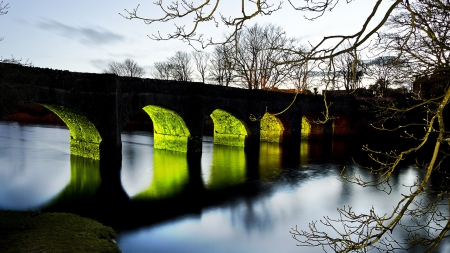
x=170 y=130
x=84 y=137
x=228 y=130
x=271 y=128
x=84 y=182
x=269 y=161
x=228 y=168
x=304 y=151
x=170 y=175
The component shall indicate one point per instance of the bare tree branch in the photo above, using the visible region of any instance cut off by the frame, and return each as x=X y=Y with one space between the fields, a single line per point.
x=126 y=68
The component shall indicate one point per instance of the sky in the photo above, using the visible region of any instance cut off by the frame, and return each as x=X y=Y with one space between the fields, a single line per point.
x=84 y=35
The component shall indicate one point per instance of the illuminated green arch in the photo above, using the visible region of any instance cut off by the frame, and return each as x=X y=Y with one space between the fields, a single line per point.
x=306 y=128
x=271 y=128
x=170 y=130
x=228 y=130
x=84 y=137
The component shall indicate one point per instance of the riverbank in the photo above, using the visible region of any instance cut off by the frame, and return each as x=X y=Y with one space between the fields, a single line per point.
x=32 y=231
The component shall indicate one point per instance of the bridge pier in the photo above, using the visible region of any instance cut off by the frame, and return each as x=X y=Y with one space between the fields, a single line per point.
x=254 y=135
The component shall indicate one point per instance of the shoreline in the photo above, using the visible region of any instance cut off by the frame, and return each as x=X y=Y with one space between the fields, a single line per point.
x=33 y=231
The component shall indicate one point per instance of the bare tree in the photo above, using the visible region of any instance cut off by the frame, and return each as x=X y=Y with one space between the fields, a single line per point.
x=256 y=57
x=4 y=8
x=162 y=70
x=18 y=61
x=301 y=76
x=221 y=69
x=201 y=60
x=126 y=68
x=387 y=72
x=181 y=66
x=416 y=30
x=3 y=11
x=348 y=71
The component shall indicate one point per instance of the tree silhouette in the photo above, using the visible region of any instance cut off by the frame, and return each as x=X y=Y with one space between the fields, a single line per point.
x=126 y=68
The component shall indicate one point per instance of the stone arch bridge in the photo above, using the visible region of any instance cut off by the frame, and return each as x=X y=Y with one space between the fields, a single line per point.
x=96 y=107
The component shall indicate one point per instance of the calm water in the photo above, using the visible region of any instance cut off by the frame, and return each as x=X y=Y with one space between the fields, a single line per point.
x=227 y=200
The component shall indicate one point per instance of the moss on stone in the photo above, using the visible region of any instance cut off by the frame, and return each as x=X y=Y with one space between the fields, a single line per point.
x=228 y=130
x=271 y=128
x=170 y=130
x=306 y=129
x=84 y=137
x=32 y=231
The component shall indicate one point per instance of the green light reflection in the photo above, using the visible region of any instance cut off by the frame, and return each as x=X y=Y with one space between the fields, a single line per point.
x=84 y=182
x=170 y=130
x=228 y=130
x=170 y=175
x=228 y=168
x=269 y=161
x=304 y=151
x=271 y=128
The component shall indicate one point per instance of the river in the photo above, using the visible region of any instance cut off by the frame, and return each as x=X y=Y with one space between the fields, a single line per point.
x=237 y=202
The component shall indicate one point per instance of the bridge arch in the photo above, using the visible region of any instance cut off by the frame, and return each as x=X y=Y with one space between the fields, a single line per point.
x=228 y=128
x=169 y=129
x=85 y=139
x=272 y=128
x=310 y=128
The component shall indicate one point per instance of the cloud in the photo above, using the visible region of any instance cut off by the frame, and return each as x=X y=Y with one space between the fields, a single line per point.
x=84 y=35
x=99 y=64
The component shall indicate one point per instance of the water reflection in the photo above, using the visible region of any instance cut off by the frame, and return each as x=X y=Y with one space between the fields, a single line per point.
x=339 y=149
x=170 y=175
x=228 y=168
x=245 y=216
x=304 y=152
x=34 y=165
x=269 y=161
x=84 y=182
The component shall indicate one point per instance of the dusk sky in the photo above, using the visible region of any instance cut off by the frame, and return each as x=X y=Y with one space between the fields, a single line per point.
x=83 y=36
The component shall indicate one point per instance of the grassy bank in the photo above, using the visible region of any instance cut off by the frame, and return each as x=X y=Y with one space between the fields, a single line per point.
x=53 y=232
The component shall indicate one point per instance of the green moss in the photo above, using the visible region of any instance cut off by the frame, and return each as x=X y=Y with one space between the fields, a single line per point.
x=170 y=130
x=228 y=167
x=170 y=175
x=53 y=232
x=306 y=128
x=84 y=137
x=228 y=130
x=271 y=128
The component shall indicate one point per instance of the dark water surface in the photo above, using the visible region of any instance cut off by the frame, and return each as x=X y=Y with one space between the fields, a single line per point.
x=227 y=200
